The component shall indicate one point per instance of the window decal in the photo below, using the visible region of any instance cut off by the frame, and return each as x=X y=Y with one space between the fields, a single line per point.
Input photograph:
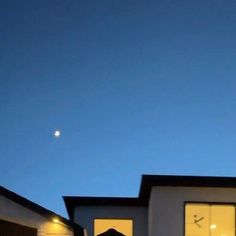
x=113 y=227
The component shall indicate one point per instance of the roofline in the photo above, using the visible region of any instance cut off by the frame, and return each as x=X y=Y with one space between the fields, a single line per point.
x=147 y=182
x=39 y=209
x=72 y=201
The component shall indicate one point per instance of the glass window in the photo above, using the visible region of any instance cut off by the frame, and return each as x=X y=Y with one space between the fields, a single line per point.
x=209 y=220
x=116 y=227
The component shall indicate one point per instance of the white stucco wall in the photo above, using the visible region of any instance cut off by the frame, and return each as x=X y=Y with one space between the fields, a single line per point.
x=85 y=216
x=166 y=206
x=13 y=212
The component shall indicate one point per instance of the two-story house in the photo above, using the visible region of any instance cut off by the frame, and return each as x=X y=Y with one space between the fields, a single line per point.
x=166 y=206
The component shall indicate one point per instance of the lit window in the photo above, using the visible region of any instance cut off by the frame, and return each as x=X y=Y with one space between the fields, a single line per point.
x=209 y=220
x=110 y=227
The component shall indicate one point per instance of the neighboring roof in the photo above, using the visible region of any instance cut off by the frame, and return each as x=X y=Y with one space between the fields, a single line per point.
x=39 y=209
x=148 y=181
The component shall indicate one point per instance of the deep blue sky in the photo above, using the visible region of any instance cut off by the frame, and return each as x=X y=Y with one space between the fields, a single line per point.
x=136 y=87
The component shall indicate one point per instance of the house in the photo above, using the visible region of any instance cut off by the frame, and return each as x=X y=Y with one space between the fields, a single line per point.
x=166 y=206
x=22 y=217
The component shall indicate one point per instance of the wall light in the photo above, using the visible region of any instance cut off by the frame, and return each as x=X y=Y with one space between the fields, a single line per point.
x=55 y=220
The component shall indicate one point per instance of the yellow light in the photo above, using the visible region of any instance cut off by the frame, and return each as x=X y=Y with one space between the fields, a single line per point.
x=55 y=220
x=213 y=226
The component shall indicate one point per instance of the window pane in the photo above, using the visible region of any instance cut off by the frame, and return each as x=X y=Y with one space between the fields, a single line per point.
x=222 y=220
x=197 y=220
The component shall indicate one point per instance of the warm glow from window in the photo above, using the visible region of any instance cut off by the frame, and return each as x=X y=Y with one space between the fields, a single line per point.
x=122 y=226
x=209 y=220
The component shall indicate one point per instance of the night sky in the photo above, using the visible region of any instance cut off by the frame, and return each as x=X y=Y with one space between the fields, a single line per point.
x=135 y=87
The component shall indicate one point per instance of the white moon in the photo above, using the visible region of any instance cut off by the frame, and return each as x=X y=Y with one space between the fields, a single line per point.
x=57 y=133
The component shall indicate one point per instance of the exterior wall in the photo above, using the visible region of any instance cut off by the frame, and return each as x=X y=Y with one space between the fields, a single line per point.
x=13 y=212
x=85 y=216
x=166 y=206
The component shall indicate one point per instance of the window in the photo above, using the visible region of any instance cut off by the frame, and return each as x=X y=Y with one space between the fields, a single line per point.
x=209 y=220
x=114 y=227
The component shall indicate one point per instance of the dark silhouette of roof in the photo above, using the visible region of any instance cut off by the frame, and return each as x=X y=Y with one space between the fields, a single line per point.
x=111 y=232
x=78 y=230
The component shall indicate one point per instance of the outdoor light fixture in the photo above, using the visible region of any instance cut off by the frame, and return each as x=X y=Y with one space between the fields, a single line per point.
x=55 y=220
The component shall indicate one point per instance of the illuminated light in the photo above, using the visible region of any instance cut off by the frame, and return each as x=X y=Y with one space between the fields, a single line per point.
x=213 y=226
x=57 y=133
x=55 y=220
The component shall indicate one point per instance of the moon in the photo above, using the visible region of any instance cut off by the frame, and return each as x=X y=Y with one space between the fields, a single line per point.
x=57 y=133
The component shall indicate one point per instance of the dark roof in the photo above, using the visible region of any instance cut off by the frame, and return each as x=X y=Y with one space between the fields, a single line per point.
x=148 y=181
x=39 y=209
x=72 y=202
